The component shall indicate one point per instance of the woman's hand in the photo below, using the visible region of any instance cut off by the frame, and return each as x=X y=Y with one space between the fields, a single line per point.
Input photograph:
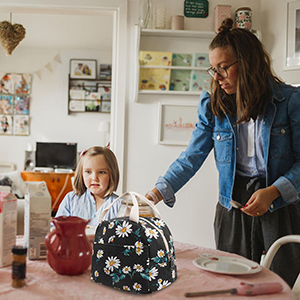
x=154 y=195
x=260 y=201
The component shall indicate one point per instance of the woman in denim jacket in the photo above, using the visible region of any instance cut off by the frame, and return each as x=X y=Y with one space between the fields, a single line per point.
x=252 y=121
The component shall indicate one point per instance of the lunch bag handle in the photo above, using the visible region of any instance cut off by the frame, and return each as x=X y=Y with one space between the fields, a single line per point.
x=134 y=212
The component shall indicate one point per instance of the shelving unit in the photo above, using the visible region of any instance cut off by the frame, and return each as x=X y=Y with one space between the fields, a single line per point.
x=91 y=87
x=203 y=36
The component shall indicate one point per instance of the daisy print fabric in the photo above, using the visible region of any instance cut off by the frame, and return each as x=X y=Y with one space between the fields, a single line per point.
x=134 y=257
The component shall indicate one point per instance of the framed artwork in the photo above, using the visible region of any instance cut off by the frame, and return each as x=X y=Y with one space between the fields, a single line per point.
x=292 y=56
x=105 y=106
x=21 y=125
x=176 y=123
x=6 y=125
x=6 y=104
x=83 y=68
x=22 y=105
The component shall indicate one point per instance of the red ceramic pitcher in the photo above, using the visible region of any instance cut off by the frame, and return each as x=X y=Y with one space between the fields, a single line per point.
x=69 y=251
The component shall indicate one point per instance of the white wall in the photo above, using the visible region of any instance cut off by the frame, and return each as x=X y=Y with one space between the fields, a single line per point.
x=191 y=219
x=49 y=119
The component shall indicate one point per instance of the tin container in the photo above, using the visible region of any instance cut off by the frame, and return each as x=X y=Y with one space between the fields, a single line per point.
x=221 y=12
x=243 y=18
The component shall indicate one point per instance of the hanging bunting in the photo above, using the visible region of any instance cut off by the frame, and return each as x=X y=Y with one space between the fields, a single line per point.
x=38 y=73
x=57 y=58
x=48 y=66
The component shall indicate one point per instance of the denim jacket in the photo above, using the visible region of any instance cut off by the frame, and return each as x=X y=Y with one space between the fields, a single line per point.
x=281 y=148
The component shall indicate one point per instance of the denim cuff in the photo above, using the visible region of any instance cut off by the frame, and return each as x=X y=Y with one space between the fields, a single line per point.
x=166 y=191
x=286 y=189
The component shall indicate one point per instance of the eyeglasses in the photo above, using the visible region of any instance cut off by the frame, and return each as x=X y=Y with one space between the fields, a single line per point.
x=221 y=71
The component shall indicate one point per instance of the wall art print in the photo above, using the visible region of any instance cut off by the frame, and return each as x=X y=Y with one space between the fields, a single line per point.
x=176 y=123
x=15 y=92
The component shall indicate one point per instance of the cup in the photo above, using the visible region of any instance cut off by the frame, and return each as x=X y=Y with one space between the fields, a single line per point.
x=177 y=22
x=160 y=16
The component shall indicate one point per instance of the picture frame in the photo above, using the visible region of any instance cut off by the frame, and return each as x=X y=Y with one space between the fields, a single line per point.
x=176 y=123
x=292 y=51
x=21 y=125
x=83 y=68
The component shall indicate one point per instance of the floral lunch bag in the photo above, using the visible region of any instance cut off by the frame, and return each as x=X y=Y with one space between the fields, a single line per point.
x=134 y=253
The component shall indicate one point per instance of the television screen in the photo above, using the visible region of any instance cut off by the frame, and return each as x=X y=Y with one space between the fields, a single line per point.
x=56 y=155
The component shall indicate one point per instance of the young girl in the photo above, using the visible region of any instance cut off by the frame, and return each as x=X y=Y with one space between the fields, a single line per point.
x=96 y=178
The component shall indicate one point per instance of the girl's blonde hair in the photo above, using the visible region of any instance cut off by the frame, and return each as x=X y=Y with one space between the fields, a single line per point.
x=112 y=163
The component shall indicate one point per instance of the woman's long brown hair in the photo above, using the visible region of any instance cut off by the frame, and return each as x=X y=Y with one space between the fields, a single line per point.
x=254 y=70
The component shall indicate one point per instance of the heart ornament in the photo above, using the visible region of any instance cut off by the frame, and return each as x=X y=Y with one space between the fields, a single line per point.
x=11 y=36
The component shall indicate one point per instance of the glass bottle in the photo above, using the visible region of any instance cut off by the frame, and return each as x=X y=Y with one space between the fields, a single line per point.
x=146 y=14
x=18 y=266
x=144 y=209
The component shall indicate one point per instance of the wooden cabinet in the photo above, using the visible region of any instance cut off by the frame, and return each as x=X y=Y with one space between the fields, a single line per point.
x=89 y=95
x=58 y=184
x=171 y=41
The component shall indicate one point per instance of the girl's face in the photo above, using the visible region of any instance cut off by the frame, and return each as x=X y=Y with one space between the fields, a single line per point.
x=223 y=57
x=96 y=175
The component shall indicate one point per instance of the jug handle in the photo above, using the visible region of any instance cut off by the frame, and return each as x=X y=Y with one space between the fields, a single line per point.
x=48 y=239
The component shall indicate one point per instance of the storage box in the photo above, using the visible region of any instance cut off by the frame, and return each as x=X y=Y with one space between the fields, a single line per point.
x=221 y=12
x=37 y=219
x=8 y=225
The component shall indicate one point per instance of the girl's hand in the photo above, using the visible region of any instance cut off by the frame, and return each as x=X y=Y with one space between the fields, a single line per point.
x=154 y=195
x=260 y=201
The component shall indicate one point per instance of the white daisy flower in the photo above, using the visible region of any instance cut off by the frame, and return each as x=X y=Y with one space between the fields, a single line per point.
x=160 y=253
x=139 y=244
x=100 y=253
x=111 y=238
x=126 y=270
x=138 y=267
x=112 y=262
x=173 y=274
x=101 y=241
x=123 y=230
x=126 y=288
x=171 y=238
x=111 y=225
x=163 y=285
x=106 y=271
x=139 y=250
x=143 y=222
x=151 y=233
x=159 y=223
x=137 y=286
x=96 y=273
x=104 y=230
x=164 y=264
x=153 y=273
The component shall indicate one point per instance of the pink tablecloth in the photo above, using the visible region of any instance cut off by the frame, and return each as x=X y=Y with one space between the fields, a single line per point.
x=44 y=283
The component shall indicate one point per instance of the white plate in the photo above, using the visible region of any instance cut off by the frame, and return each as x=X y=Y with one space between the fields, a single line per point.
x=90 y=232
x=226 y=264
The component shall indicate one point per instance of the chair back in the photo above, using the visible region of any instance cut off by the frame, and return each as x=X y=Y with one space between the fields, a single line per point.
x=294 y=238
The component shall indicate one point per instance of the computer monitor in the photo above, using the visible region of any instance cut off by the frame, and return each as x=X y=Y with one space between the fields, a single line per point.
x=56 y=155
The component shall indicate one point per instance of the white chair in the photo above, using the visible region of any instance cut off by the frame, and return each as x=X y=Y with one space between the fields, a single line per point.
x=273 y=250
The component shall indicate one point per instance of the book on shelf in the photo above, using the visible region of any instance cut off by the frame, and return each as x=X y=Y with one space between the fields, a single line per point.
x=180 y=80
x=154 y=78
x=201 y=60
x=182 y=59
x=199 y=81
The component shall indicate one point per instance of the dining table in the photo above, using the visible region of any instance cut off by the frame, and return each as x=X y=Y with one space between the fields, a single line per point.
x=42 y=282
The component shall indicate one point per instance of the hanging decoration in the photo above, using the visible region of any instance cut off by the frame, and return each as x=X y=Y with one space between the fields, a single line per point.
x=11 y=35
